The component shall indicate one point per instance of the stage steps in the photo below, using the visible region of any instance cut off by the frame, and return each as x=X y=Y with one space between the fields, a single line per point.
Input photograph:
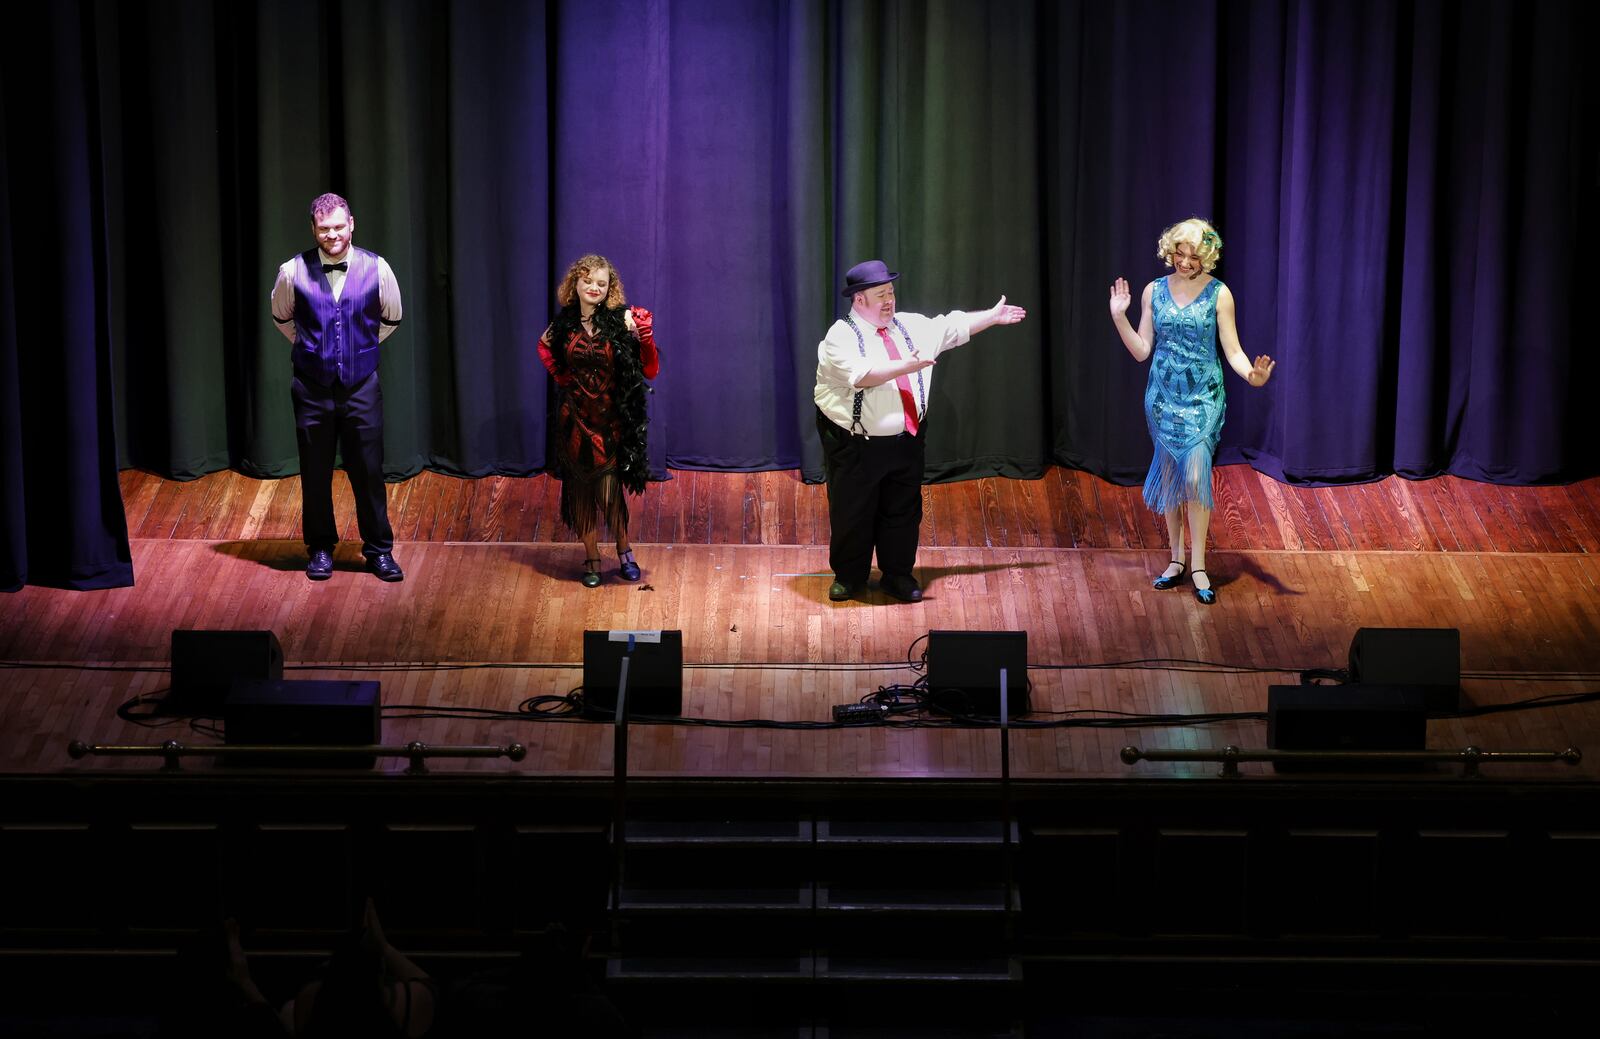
x=872 y=924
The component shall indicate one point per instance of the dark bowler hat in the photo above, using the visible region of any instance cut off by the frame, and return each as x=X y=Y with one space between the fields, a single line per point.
x=866 y=275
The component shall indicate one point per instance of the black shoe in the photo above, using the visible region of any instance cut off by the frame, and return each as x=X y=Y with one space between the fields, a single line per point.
x=1205 y=596
x=903 y=587
x=320 y=568
x=385 y=567
x=629 y=567
x=1163 y=583
x=841 y=592
x=591 y=573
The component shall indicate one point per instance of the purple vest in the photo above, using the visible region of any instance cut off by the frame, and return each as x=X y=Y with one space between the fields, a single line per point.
x=338 y=341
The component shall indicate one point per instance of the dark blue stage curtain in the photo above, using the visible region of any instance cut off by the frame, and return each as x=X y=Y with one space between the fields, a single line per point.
x=1403 y=187
x=61 y=518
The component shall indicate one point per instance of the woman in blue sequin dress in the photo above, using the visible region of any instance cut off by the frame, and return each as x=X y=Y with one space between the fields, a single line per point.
x=1183 y=317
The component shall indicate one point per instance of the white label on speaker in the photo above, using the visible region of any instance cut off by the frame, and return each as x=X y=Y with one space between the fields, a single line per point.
x=637 y=636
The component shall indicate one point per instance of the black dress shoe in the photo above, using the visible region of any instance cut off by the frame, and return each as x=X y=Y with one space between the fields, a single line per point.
x=320 y=568
x=385 y=567
x=841 y=592
x=1163 y=582
x=628 y=568
x=903 y=587
x=1205 y=596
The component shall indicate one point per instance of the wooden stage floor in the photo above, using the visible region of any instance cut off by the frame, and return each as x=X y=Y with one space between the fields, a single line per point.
x=490 y=615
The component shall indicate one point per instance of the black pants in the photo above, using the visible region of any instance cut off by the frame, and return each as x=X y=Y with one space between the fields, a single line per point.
x=347 y=419
x=874 y=500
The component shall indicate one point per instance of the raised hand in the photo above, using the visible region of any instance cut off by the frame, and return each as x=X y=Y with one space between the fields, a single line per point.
x=371 y=928
x=1007 y=313
x=1261 y=371
x=1121 y=298
x=238 y=966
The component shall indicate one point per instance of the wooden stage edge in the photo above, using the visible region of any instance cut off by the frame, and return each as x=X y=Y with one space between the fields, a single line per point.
x=478 y=628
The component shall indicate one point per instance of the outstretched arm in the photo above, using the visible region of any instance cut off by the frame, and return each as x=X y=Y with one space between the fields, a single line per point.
x=892 y=371
x=839 y=361
x=1002 y=313
x=1256 y=373
x=1143 y=341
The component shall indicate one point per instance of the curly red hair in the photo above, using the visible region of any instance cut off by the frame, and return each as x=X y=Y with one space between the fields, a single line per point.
x=568 y=290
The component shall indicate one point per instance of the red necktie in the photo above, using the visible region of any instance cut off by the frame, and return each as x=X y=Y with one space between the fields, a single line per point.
x=907 y=402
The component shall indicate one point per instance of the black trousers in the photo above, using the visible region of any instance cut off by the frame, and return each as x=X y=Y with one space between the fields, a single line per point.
x=874 y=500
x=349 y=420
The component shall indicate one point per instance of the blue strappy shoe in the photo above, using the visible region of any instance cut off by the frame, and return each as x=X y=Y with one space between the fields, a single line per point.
x=1163 y=583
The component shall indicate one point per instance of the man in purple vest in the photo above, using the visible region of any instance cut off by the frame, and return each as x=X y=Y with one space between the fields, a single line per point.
x=336 y=303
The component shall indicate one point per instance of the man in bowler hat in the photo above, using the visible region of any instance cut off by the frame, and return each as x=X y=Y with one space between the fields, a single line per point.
x=874 y=370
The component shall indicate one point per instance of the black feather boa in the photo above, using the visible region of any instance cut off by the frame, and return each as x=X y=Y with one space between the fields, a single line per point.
x=633 y=417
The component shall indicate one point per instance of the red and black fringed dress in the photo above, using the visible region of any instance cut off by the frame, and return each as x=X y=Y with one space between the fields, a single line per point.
x=601 y=421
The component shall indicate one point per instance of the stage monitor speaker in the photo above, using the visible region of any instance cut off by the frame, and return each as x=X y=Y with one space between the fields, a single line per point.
x=303 y=714
x=205 y=664
x=1428 y=658
x=655 y=673
x=1344 y=717
x=964 y=672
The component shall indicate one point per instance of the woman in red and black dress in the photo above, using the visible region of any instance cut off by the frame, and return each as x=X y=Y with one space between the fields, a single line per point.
x=600 y=352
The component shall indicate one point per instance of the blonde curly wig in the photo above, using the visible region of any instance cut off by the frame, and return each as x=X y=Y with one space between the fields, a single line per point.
x=1196 y=232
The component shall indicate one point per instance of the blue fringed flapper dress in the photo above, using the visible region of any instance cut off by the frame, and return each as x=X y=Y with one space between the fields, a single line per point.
x=1184 y=404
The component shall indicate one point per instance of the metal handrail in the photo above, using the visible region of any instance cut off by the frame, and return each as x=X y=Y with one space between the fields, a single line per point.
x=173 y=750
x=1469 y=758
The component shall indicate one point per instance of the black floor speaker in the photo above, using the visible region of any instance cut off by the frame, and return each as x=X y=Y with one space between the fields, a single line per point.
x=1345 y=717
x=303 y=714
x=1428 y=658
x=964 y=672
x=655 y=672
x=205 y=664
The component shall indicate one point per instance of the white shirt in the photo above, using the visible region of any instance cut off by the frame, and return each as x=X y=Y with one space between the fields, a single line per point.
x=840 y=366
x=283 y=295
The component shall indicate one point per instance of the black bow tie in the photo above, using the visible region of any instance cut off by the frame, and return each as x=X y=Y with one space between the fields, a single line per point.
x=335 y=267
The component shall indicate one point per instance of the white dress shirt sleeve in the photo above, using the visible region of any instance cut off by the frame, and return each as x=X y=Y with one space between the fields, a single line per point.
x=283 y=302
x=943 y=333
x=388 y=300
x=839 y=360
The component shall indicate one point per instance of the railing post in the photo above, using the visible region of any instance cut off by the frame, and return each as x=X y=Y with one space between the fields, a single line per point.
x=619 y=792
x=1006 y=809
